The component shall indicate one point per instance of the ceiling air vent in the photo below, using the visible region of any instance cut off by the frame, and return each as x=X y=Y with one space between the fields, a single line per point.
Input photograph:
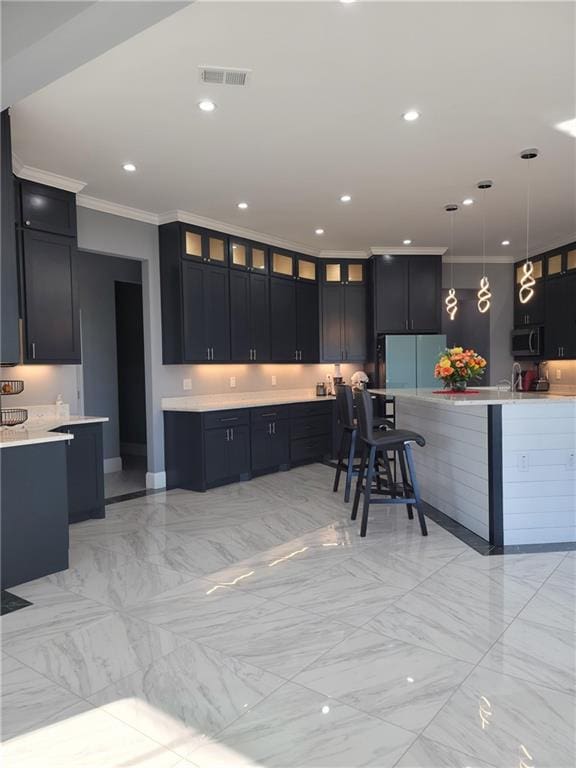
x=224 y=76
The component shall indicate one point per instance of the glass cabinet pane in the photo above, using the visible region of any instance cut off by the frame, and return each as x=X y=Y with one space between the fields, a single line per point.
x=259 y=258
x=282 y=264
x=193 y=244
x=216 y=249
x=555 y=264
x=571 y=260
x=306 y=269
x=538 y=270
x=333 y=273
x=239 y=256
x=355 y=273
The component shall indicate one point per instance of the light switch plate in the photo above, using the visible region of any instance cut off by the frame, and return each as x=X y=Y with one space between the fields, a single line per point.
x=558 y=374
x=187 y=384
x=274 y=381
x=232 y=381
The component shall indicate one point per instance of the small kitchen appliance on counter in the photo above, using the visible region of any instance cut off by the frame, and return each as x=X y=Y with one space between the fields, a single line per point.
x=320 y=389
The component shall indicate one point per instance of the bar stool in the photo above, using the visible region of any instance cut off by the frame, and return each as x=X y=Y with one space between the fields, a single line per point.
x=375 y=442
x=347 y=422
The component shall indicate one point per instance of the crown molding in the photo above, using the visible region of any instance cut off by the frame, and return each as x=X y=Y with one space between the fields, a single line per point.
x=557 y=243
x=407 y=250
x=231 y=229
x=343 y=255
x=30 y=173
x=105 y=206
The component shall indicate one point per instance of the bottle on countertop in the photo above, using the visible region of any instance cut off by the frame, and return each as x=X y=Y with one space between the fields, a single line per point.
x=60 y=407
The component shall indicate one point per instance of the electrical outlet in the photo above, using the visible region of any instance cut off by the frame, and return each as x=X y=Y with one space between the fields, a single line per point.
x=571 y=463
x=558 y=374
x=232 y=381
x=186 y=383
x=523 y=462
x=274 y=382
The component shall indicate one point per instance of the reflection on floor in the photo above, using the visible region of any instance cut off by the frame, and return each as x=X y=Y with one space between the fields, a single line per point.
x=132 y=478
x=251 y=626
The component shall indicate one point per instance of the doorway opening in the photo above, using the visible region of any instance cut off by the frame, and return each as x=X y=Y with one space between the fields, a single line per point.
x=131 y=391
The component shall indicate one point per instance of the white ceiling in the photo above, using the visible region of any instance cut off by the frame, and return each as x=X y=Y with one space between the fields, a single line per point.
x=322 y=117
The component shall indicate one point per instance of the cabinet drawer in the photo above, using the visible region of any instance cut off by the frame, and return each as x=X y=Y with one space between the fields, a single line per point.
x=313 y=409
x=309 y=448
x=269 y=413
x=214 y=419
x=303 y=426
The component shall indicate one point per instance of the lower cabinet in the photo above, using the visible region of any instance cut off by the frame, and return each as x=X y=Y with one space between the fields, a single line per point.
x=205 y=450
x=34 y=500
x=85 y=469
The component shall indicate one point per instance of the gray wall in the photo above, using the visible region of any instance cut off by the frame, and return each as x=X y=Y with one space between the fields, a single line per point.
x=501 y=309
x=96 y=277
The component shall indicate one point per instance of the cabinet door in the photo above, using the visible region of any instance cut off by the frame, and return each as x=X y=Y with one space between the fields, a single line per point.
x=332 y=311
x=354 y=323
x=85 y=466
x=238 y=446
x=48 y=209
x=531 y=313
x=261 y=440
x=391 y=294
x=195 y=341
x=307 y=322
x=425 y=294
x=217 y=465
x=260 y=317
x=50 y=294
x=217 y=313
x=560 y=330
x=282 y=320
x=9 y=339
x=240 y=320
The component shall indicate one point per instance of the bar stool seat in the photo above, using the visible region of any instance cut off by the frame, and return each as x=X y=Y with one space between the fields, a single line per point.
x=378 y=443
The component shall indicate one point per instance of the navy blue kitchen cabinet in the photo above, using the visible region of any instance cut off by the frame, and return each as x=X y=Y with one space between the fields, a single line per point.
x=85 y=471
x=249 y=317
x=47 y=209
x=343 y=311
x=9 y=320
x=207 y=449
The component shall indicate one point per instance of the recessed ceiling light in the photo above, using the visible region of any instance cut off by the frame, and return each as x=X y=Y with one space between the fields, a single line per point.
x=242 y=206
x=319 y=231
x=505 y=242
x=206 y=105
x=407 y=242
x=411 y=115
x=345 y=198
x=130 y=167
x=467 y=201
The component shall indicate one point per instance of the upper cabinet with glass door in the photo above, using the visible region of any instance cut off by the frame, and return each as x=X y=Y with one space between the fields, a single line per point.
x=344 y=272
x=282 y=264
x=306 y=268
x=250 y=256
x=561 y=262
x=205 y=245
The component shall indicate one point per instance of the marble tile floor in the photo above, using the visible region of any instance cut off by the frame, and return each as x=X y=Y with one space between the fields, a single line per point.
x=251 y=626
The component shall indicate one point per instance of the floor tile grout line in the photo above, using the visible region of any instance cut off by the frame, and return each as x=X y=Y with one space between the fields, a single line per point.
x=477 y=665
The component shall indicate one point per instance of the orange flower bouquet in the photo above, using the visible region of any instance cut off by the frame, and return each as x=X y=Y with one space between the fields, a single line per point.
x=457 y=366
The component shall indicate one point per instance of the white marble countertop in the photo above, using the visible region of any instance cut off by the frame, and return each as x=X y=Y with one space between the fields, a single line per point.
x=228 y=401
x=485 y=396
x=37 y=430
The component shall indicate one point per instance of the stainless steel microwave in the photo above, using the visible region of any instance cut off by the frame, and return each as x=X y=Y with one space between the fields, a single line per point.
x=527 y=342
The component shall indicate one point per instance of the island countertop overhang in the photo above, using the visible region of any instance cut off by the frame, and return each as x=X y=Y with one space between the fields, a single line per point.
x=485 y=396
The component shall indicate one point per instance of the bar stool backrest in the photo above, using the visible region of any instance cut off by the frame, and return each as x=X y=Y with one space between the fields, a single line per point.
x=364 y=413
x=345 y=405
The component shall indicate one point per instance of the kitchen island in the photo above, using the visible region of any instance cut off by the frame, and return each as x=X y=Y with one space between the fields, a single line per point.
x=499 y=463
x=51 y=474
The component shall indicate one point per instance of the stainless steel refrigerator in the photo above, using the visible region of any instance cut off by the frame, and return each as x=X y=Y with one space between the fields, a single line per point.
x=408 y=361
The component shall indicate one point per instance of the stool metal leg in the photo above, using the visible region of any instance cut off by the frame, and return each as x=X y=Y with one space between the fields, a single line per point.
x=416 y=489
x=368 y=491
x=359 y=481
x=405 y=483
x=339 y=464
x=350 y=468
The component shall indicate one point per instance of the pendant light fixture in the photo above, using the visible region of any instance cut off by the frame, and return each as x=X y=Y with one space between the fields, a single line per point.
x=527 y=282
x=484 y=294
x=451 y=301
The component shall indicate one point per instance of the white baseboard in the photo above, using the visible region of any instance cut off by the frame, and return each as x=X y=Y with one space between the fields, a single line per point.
x=155 y=479
x=113 y=465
